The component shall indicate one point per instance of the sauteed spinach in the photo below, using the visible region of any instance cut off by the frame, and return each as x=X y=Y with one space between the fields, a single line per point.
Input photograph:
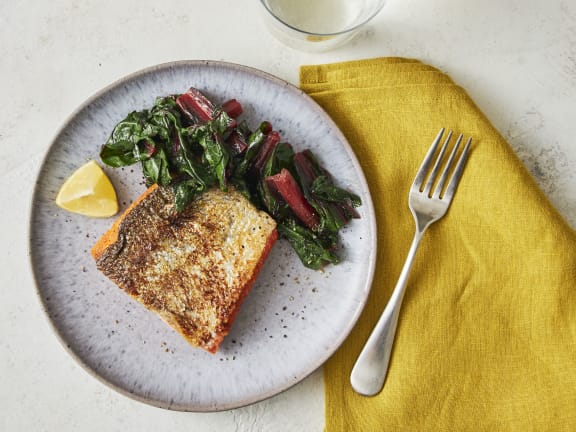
x=190 y=144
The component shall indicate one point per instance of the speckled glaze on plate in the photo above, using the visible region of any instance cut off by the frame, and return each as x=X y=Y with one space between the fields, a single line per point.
x=293 y=319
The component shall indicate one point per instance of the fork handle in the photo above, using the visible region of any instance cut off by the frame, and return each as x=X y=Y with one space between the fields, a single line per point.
x=371 y=368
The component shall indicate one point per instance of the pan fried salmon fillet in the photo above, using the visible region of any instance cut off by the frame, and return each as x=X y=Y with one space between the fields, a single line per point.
x=193 y=268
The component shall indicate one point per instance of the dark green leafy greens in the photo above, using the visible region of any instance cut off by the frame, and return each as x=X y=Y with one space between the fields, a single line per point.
x=324 y=188
x=190 y=144
x=313 y=250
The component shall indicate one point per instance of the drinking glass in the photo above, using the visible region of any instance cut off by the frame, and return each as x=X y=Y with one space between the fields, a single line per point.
x=318 y=25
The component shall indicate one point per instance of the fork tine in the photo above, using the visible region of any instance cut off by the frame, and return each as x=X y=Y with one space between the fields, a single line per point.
x=437 y=164
x=423 y=170
x=447 y=167
x=455 y=179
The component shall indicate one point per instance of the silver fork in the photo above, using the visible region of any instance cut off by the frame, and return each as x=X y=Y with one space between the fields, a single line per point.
x=427 y=206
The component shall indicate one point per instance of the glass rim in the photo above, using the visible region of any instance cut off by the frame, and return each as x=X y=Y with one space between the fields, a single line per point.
x=310 y=33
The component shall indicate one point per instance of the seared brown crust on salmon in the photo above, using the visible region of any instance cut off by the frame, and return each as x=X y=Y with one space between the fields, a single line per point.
x=193 y=268
x=111 y=235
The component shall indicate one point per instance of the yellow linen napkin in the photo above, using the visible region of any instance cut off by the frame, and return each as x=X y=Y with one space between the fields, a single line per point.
x=486 y=339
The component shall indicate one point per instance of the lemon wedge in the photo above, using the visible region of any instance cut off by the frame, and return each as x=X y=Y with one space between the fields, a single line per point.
x=89 y=192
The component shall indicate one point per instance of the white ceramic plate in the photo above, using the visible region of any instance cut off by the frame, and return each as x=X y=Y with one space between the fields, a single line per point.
x=292 y=321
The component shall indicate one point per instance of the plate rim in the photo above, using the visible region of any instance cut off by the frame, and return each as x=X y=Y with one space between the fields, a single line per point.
x=368 y=207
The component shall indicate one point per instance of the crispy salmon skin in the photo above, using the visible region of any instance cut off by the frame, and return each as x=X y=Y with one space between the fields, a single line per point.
x=193 y=268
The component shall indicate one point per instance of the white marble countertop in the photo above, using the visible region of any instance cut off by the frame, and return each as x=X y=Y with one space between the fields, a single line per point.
x=516 y=58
